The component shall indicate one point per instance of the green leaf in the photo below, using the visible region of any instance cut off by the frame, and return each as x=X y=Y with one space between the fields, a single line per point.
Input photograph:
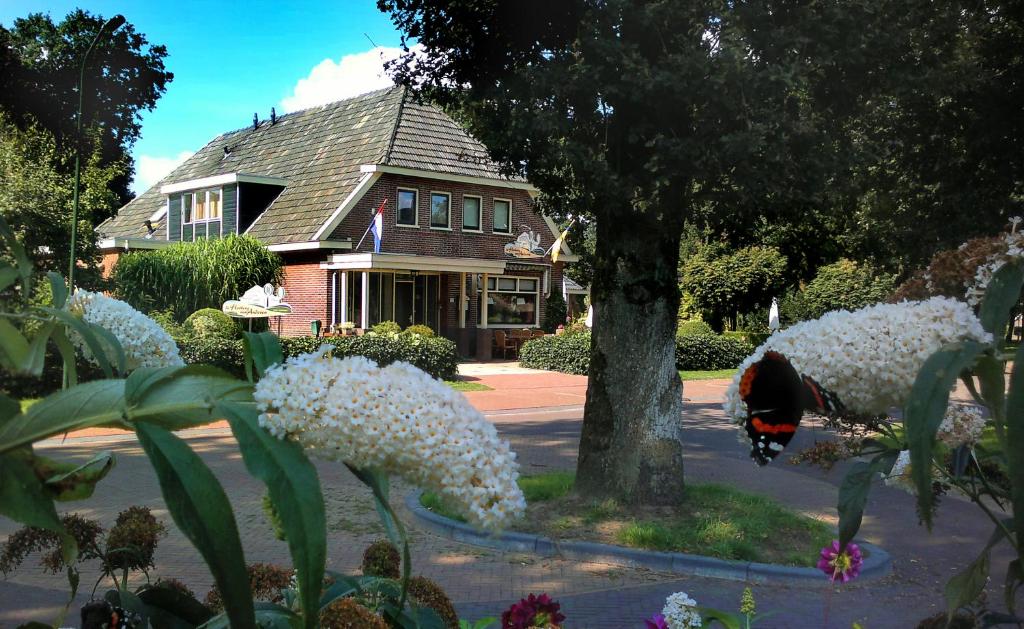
x=965 y=587
x=112 y=345
x=9 y=408
x=925 y=410
x=24 y=499
x=1015 y=448
x=67 y=481
x=90 y=404
x=173 y=609
x=8 y=275
x=728 y=619
x=67 y=354
x=853 y=493
x=88 y=334
x=262 y=351
x=268 y=615
x=21 y=261
x=185 y=397
x=200 y=508
x=377 y=481
x=13 y=346
x=36 y=357
x=58 y=288
x=343 y=586
x=295 y=491
x=1001 y=296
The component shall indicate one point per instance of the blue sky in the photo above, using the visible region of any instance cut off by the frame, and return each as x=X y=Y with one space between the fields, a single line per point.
x=231 y=59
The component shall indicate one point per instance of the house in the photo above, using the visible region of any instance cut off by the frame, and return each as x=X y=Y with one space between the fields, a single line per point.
x=463 y=249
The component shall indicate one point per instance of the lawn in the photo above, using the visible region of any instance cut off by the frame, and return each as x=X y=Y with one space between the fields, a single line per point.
x=466 y=385
x=715 y=374
x=713 y=520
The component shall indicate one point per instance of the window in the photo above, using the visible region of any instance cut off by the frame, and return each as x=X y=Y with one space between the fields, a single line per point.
x=512 y=301
x=407 y=207
x=202 y=205
x=471 y=214
x=440 y=209
x=503 y=216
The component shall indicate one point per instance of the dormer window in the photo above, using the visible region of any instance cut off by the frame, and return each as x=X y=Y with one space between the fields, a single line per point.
x=201 y=205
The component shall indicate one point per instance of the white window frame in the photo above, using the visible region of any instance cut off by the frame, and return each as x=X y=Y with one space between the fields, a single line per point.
x=517 y=278
x=448 y=227
x=479 y=214
x=494 y=215
x=415 y=207
x=206 y=191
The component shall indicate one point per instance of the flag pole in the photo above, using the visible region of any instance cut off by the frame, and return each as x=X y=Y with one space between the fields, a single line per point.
x=380 y=208
x=558 y=240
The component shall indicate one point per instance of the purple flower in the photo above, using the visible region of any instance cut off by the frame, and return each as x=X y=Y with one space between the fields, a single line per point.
x=656 y=621
x=842 y=564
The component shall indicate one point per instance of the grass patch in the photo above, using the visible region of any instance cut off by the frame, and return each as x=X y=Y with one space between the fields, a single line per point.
x=466 y=385
x=712 y=520
x=714 y=374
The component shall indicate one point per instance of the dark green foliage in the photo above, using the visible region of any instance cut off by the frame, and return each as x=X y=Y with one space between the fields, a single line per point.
x=844 y=285
x=381 y=559
x=554 y=313
x=568 y=353
x=165 y=319
x=273 y=518
x=434 y=355
x=701 y=352
x=726 y=283
x=211 y=323
x=689 y=328
x=386 y=327
x=185 y=277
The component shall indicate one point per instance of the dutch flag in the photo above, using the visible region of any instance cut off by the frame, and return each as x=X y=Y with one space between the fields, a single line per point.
x=377 y=227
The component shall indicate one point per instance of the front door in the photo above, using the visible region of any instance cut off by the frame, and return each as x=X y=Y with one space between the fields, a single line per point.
x=405 y=289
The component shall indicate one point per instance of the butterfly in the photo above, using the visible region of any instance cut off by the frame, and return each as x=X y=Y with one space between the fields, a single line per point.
x=776 y=397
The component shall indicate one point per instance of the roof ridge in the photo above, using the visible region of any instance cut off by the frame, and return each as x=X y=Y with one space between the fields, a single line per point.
x=394 y=130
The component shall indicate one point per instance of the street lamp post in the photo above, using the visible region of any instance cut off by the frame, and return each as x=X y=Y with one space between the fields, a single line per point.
x=110 y=25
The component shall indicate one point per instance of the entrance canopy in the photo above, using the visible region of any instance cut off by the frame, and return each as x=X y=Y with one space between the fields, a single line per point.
x=399 y=262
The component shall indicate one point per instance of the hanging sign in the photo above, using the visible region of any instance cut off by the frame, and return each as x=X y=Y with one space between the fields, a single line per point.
x=257 y=303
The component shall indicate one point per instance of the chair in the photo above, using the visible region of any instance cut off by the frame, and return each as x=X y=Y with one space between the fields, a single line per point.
x=537 y=333
x=504 y=343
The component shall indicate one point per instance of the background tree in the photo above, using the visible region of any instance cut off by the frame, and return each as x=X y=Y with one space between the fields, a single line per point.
x=36 y=196
x=842 y=285
x=650 y=115
x=124 y=75
x=724 y=283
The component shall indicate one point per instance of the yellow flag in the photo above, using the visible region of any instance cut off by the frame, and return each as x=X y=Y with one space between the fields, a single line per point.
x=556 y=248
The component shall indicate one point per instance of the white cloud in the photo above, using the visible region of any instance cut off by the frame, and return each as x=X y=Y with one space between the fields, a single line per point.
x=350 y=76
x=150 y=169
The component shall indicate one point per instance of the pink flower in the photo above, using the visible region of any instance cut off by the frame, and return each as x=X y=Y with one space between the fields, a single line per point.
x=842 y=564
x=656 y=621
x=533 y=611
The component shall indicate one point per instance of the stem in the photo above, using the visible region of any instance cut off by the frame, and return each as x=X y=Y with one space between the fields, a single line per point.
x=976 y=499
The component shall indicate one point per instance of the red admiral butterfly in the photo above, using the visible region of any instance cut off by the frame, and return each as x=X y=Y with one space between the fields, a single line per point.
x=776 y=397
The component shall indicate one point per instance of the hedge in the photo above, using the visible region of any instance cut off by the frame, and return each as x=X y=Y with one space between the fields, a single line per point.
x=210 y=322
x=434 y=355
x=570 y=353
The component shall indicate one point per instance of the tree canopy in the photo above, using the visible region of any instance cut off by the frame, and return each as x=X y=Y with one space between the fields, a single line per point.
x=124 y=75
x=726 y=283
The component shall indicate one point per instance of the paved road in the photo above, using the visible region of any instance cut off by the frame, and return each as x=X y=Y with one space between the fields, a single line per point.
x=483 y=581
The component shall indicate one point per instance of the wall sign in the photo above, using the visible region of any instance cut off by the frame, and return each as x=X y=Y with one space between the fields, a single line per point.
x=527 y=245
x=257 y=303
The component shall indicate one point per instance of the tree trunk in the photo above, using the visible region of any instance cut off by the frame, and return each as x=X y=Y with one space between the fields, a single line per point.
x=630 y=447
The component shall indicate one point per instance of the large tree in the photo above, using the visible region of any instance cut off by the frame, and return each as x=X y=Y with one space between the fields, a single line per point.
x=124 y=75
x=648 y=115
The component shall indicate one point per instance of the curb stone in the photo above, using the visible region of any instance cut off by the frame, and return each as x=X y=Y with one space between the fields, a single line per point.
x=876 y=565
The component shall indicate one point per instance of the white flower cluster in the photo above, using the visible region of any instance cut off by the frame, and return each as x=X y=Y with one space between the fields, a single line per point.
x=145 y=343
x=962 y=425
x=398 y=419
x=680 y=612
x=870 y=357
x=1014 y=242
x=900 y=475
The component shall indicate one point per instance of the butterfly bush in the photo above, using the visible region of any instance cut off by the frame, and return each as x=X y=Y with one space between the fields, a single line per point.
x=398 y=419
x=962 y=425
x=869 y=357
x=145 y=343
x=680 y=612
x=1012 y=248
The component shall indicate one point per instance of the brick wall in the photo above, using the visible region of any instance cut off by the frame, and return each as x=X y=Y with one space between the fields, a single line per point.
x=107 y=263
x=309 y=293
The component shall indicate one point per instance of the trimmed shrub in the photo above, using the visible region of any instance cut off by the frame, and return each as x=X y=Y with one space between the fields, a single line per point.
x=568 y=353
x=689 y=328
x=843 y=285
x=554 y=313
x=434 y=355
x=700 y=352
x=419 y=328
x=386 y=327
x=210 y=323
x=187 y=276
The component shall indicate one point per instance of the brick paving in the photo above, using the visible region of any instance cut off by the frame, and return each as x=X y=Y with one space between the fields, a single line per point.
x=483 y=581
